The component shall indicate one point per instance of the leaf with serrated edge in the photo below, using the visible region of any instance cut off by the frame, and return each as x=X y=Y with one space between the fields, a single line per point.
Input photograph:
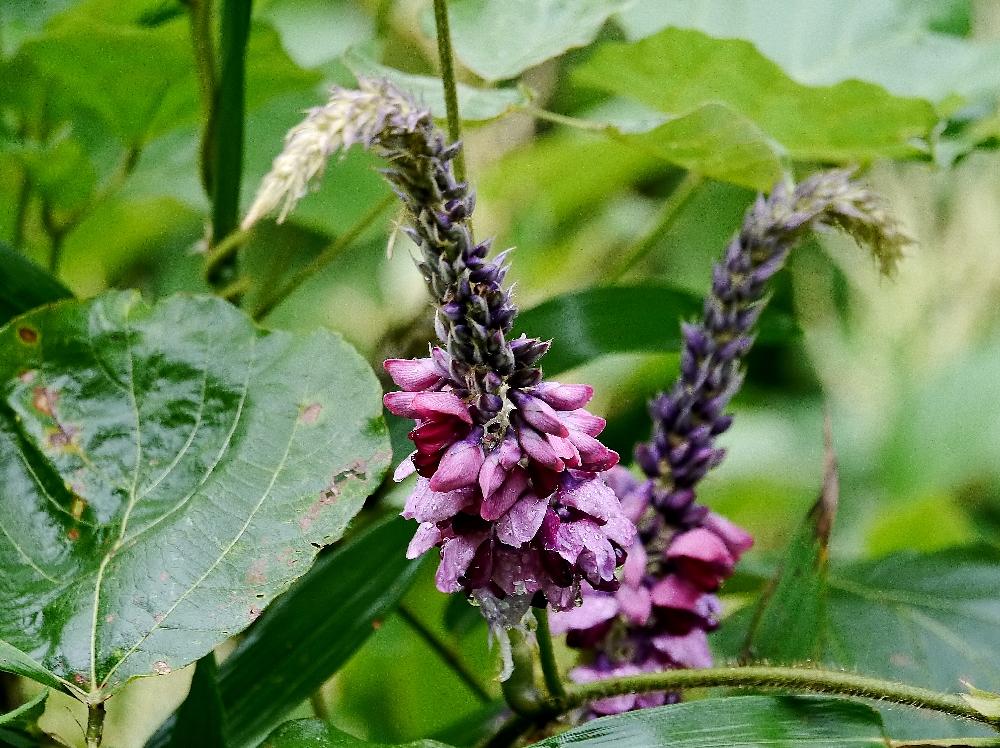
x=167 y=470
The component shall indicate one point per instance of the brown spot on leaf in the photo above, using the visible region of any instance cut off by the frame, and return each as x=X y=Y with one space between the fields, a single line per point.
x=158 y=618
x=256 y=574
x=310 y=413
x=286 y=556
x=28 y=376
x=164 y=576
x=62 y=436
x=44 y=400
x=109 y=618
x=79 y=678
x=160 y=667
x=73 y=534
x=254 y=613
x=27 y=335
x=376 y=624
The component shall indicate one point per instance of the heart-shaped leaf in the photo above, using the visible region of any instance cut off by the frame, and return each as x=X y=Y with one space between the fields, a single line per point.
x=167 y=471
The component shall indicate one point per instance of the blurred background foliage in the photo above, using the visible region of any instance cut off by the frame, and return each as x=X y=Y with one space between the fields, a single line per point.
x=616 y=144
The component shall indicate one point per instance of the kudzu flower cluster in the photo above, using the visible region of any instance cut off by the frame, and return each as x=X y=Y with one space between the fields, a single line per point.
x=508 y=464
x=659 y=616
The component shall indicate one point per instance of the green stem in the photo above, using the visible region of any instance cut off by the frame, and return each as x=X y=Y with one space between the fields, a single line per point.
x=448 y=79
x=446 y=652
x=324 y=258
x=95 y=724
x=562 y=119
x=204 y=58
x=227 y=136
x=547 y=655
x=519 y=689
x=833 y=682
x=665 y=219
x=787 y=679
x=21 y=211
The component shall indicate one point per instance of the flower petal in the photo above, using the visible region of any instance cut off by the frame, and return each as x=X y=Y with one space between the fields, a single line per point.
x=413 y=374
x=459 y=466
x=521 y=522
x=588 y=493
x=405 y=469
x=584 y=421
x=597 y=607
x=737 y=540
x=687 y=650
x=456 y=555
x=425 y=538
x=702 y=557
x=564 y=396
x=538 y=448
x=504 y=497
x=426 y=505
x=538 y=413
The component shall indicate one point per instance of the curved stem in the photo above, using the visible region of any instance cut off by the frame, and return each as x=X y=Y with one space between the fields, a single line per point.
x=324 y=258
x=95 y=724
x=671 y=209
x=550 y=670
x=448 y=79
x=446 y=653
x=833 y=682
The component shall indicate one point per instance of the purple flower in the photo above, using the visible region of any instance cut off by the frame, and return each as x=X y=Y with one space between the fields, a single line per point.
x=659 y=616
x=519 y=513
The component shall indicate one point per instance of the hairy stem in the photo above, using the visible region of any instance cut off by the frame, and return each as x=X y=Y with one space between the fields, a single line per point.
x=95 y=724
x=324 y=258
x=833 y=682
x=547 y=655
x=446 y=652
x=668 y=214
x=448 y=79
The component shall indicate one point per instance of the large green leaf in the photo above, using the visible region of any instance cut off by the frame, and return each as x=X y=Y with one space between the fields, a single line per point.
x=931 y=620
x=678 y=70
x=716 y=141
x=24 y=285
x=620 y=319
x=498 y=39
x=167 y=470
x=311 y=631
x=736 y=722
x=888 y=42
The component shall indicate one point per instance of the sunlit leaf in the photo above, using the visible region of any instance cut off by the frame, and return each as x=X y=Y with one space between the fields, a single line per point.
x=887 y=42
x=498 y=39
x=676 y=71
x=167 y=471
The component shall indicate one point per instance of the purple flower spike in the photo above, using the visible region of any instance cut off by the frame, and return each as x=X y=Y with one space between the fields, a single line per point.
x=659 y=616
x=509 y=487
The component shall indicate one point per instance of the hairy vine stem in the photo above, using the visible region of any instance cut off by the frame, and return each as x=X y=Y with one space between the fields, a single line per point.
x=788 y=679
x=448 y=79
